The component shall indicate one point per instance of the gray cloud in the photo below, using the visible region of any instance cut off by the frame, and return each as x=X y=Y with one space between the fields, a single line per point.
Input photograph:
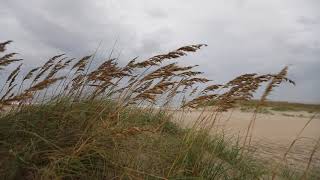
x=243 y=36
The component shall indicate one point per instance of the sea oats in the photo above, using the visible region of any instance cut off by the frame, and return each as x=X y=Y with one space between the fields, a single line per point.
x=81 y=64
x=44 y=84
x=30 y=73
x=3 y=45
x=11 y=78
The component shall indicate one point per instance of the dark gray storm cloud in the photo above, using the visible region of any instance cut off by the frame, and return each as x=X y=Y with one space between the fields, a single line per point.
x=243 y=35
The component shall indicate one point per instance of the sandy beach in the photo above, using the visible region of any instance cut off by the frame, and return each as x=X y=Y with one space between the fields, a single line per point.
x=272 y=134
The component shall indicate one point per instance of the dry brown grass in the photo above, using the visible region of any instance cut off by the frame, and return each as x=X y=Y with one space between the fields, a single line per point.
x=156 y=81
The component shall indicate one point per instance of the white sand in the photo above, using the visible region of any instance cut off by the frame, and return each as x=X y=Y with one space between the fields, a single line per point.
x=272 y=133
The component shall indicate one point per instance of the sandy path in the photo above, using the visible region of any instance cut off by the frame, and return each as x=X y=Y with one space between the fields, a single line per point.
x=272 y=134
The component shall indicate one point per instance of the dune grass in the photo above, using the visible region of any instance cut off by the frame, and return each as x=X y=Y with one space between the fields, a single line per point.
x=283 y=106
x=71 y=141
x=71 y=120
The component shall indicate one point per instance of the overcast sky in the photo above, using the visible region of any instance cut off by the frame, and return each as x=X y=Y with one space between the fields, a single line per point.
x=244 y=36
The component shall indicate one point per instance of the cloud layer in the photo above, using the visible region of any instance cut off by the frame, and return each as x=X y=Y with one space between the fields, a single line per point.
x=243 y=35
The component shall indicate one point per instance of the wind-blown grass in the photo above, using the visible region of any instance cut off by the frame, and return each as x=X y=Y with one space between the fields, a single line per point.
x=61 y=141
x=105 y=122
